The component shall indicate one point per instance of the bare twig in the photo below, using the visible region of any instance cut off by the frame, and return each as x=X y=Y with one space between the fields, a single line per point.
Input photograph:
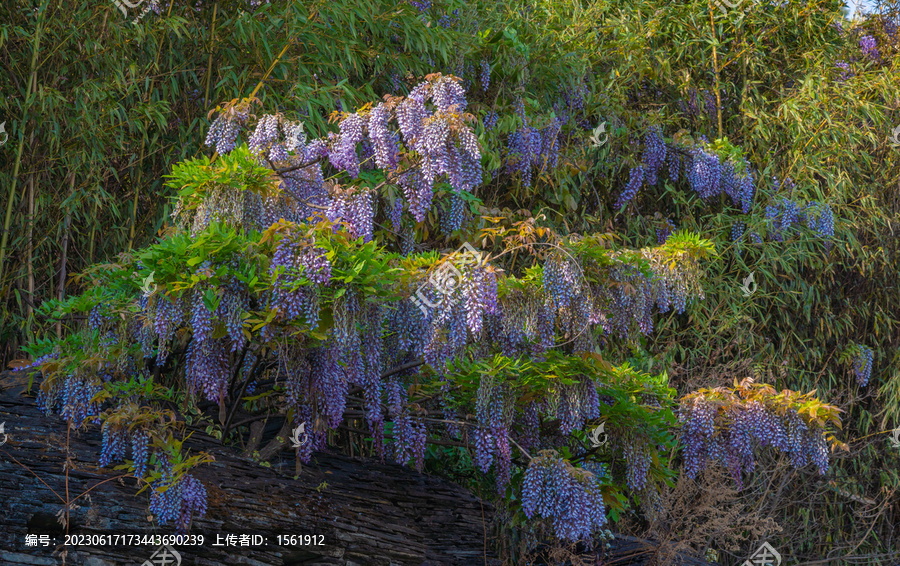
x=8 y=455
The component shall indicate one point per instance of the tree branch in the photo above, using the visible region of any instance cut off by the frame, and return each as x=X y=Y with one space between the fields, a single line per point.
x=279 y=172
x=404 y=367
x=237 y=400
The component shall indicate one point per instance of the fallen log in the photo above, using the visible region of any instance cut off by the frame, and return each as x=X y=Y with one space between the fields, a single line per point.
x=362 y=511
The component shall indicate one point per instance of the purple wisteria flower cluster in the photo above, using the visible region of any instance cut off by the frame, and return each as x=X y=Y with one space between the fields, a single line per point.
x=300 y=270
x=409 y=432
x=168 y=316
x=114 y=444
x=707 y=173
x=862 y=365
x=569 y=497
x=692 y=106
x=207 y=365
x=431 y=121
x=532 y=151
x=177 y=500
x=528 y=321
x=355 y=208
x=494 y=410
x=225 y=129
x=869 y=46
x=116 y=439
x=664 y=231
x=786 y=214
x=76 y=398
x=635 y=182
x=732 y=435
x=654 y=155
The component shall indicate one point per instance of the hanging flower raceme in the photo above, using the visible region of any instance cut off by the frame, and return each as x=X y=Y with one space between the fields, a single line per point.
x=386 y=142
x=168 y=317
x=297 y=260
x=355 y=208
x=410 y=434
x=664 y=231
x=343 y=155
x=862 y=364
x=74 y=395
x=370 y=379
x=233 y=304
x=732 y=428
x=115 y=444
x=654 y=155
x=569 y=497
x=705 y=172
x=226 y=128
x=208 y=369
x=431 y=122
x=738 y=186
x=576 y=404
x=177 y=500
x=330 y=382
x=635 y=182
x=525 y=148
x=494 y=410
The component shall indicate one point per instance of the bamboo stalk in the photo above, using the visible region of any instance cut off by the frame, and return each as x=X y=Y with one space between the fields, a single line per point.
x=32 y=80
x=744 y=116
x=140 y=163
x=9 y=206
x=93 y=232
x=65 y=250
x=712 y=26
x=210 y=60
x=29 y=237
x=137 y=193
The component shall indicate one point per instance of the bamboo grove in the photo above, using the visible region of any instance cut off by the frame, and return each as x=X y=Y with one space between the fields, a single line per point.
x=461 y=237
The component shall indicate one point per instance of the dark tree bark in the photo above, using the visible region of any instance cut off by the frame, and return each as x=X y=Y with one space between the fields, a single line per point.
x=368 y=513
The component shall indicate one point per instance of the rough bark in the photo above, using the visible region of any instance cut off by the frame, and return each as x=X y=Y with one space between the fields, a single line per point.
x=368 y=512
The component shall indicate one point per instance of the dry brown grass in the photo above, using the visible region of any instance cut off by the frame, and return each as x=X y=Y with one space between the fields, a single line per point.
x=705 y=513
